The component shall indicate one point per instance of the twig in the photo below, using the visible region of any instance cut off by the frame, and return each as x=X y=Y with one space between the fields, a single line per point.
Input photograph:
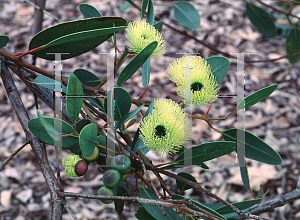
x=37 y=7
x=276 y=9
x=213 y=48
x=42 y=93
x=174 y=204
x=147 y=174
x=70 y=212
x=187 y=35
x=201 y=189
x=276 y=202
x=37 y=148
x=13 y=154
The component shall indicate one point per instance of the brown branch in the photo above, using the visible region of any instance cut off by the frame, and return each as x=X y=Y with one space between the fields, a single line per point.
x=12 y=155
x=201 y=189
x=186 y=34
x=35 y=143
x=215 y=49
x=174 y=204
x=41 y=9
x=42 y=93
x=146 y=173
x=278 y=201
x=276 y=9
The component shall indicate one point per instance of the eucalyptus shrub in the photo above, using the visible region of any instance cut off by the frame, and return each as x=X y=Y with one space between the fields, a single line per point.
x=165 y=127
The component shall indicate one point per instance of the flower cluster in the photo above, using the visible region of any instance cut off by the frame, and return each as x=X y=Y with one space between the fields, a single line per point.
x=203 y=85
x=167 y=129
x=139 y=34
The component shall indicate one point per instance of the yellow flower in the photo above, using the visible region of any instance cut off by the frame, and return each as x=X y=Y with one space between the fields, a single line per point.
x=167 y=129
x=139 y=34
x=203 y=85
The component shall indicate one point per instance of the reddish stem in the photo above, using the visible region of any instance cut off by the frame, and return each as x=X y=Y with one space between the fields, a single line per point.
x=66 y=135
x=208 y=110
x=21 y=76
x=30 y=51
x=142 y=94
x=131 y=55
x=163 y=164
x=212 y=126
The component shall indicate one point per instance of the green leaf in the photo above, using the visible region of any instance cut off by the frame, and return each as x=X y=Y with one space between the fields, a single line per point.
x=186 y=15
x=103 y=141
x=143 y=9
x=56 y=135
x=202 y=206
x=122 y=103
x=261 y=19
x=74 y=104
x=204 y=152
x=204 y=166
x=219 y=67
x=121 y=60
x=183 y=186
x=292 y=44
x=156 y=211
x=150 y=15
x=75 y=148
x=137 y=142
x=71 y=27
x=158 y=25
x=3 y=40
x=255 y=148
x=142 y=214
x=89 y=11
x=87 y=78
x=48 y=83
x=244 y=205
x=127 y=117
x=146 y=73
x=136 y=62
x=119 y=205
x=36 y=127
x=78 y=37
x=88 y=139
x=130 y=123
x=125 y=6
x=245 y=176
x=257 y=97
x=94 y=100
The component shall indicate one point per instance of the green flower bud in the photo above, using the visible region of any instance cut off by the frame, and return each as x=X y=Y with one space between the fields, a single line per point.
x=121 y=163
x=104 y=191
x=111 y=178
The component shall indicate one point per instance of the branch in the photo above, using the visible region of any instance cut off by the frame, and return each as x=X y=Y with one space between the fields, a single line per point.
x=174 y=204
x=201 y=189
x=39 y=8
x=276 y=202
x=276 y=9
x=36 y=145
x=42 y=93
x=12 y=155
